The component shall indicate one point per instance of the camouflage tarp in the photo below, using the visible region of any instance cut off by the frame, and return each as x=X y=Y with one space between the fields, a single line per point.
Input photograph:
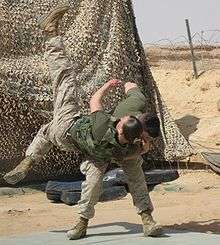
x=102 y=41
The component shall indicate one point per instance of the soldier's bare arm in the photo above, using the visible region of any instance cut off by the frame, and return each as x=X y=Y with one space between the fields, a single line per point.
x=96 y=100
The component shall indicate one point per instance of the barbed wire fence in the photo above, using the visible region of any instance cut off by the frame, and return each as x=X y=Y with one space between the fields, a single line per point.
x=176 y=54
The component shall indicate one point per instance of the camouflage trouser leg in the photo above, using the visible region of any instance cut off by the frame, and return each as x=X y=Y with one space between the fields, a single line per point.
x=65 y=102
x=137 y=185
x=40 y=145
x=91 y=188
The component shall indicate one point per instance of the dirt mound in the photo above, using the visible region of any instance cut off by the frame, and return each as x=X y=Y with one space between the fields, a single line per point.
x=193 y=104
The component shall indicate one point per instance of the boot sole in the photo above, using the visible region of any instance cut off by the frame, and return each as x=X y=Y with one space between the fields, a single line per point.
x=45 y=19
x=155 y=232
x=15 y=178
x=76 y=238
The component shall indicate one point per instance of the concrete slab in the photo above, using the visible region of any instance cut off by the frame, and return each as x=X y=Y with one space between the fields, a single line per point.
x=114 y=235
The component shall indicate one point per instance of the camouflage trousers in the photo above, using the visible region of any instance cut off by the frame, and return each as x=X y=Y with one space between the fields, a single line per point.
x=56 y=133
x=92 y=186
x=65 y=106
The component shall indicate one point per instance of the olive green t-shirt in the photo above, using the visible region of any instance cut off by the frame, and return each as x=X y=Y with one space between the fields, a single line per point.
x=100 y=124
x=103 y=132
x=133 y=105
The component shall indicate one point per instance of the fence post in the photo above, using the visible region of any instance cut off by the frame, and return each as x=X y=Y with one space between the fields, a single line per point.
x=192 y=49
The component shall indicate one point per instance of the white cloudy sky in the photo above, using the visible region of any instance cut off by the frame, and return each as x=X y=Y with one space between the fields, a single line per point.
x=158 y=19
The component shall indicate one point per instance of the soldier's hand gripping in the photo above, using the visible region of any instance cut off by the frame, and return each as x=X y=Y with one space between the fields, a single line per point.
x=113 y=83
x=129 y=85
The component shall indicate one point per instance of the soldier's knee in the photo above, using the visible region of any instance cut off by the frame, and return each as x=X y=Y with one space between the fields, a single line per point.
x=58 y=135
x=94 y=181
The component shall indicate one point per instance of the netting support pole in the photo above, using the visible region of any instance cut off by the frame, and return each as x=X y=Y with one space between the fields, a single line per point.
x=192 y=49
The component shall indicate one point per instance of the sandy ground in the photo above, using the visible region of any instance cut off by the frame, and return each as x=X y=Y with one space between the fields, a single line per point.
x=190 y=203
x=193 y=105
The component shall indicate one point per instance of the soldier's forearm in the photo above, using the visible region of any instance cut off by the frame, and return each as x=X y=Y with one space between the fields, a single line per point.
x=143 y=149
x=96 y=100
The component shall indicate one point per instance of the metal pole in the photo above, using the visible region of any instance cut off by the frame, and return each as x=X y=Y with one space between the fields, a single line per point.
x=192 y=49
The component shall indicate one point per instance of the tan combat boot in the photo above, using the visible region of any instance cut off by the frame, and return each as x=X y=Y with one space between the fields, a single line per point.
x=79 y=231
x=49 y=23
x=150 y=227
x=20 y=172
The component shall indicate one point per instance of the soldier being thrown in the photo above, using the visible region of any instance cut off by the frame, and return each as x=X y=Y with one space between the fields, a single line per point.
x=101 y=138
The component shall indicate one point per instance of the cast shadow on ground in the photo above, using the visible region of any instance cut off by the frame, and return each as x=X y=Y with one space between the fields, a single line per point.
x=130 y=228
x=187 y=125
x=209 y=226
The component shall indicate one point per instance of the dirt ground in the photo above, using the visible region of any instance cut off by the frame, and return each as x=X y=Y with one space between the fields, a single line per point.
x=190 y=203
x=193 y=105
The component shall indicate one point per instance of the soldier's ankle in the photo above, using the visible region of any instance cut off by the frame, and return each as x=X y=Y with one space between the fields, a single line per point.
x=148 y=212
x=84 y=220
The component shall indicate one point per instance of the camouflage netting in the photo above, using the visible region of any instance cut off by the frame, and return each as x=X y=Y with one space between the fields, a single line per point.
x=102 y=41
